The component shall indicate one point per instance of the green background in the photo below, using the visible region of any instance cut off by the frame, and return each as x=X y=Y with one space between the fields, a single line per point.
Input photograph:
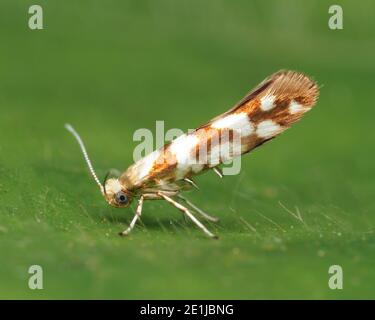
x=112 y=67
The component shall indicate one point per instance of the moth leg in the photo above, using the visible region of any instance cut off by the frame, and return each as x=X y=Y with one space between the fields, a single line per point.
x=155 y=196
x=189 y=214
x=218 y=171
x=201 y=212
x=137 y=215
x=191 y=182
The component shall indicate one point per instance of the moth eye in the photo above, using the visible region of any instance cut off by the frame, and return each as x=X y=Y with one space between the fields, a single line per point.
x=121 y=198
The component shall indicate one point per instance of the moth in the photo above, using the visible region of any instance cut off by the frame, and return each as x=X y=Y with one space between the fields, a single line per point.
x=265 y=112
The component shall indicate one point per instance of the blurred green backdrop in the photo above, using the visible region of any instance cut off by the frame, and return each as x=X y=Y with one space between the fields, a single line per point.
x=113 y=67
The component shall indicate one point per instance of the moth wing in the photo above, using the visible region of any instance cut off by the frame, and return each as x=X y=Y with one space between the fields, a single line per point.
x=265 y=112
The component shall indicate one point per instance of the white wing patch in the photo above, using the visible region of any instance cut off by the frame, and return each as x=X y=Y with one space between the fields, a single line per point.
x=267 y=103
x=146 y=164
x=223 y=152
x=181 y=148
x=295 y=107
x=267 y=129
x=239 y=122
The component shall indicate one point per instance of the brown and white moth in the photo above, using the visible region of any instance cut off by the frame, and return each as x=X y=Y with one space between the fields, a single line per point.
x=269 y=109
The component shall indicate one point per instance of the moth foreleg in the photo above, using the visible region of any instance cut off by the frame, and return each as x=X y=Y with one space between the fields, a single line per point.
x=201 y=212
x=137 y=215
x=188 y=213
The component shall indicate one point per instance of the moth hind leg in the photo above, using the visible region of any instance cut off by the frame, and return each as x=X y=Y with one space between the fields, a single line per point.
x=200 y=211
x=188 y=214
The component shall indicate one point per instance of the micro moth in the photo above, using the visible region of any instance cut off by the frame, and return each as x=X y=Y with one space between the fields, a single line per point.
x=265 y=112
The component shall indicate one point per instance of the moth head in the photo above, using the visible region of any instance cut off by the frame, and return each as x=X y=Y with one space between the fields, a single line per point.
x=115 y=194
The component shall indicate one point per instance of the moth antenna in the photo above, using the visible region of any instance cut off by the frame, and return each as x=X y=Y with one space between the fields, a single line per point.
x=85 y=155
x=104 y=182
